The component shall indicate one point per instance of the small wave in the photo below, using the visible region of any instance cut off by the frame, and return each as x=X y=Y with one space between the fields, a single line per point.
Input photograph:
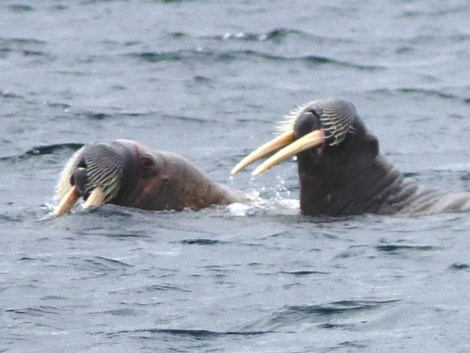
x=150 y=289
x=184 y=118
x=98 y=116
x=61 y=106
x=200 y=242
x=335 y=314
x=21 y=8
x=426 y=92
x=105 y=116
x=275 y=35
x=325 y=60
x=304 y=273
x=398 y=248
x=235 y=55
x=194 y=333
x=154 y=57
x=165 y=287
x=339 y=307
x=35 y=310
x=41 y=150
x=24 y=46
x=11 y=95
x=99 y=263
x=459 y=266
x=21 y=41
x=54 y=148
x=118 y=312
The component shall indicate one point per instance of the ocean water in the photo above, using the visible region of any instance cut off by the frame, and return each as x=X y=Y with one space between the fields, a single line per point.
x=210 y=80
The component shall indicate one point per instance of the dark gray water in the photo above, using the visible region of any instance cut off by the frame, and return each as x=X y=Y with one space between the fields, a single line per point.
x=210 y=79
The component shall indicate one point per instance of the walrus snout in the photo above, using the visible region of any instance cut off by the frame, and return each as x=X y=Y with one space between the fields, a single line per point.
x=79 y=179
x=94 y=173
x=326 y=121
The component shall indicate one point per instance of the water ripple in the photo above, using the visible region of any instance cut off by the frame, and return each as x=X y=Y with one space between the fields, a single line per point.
x=201 y=242
x=21 y=8
x=339 y=307
x=35 y=310
x=42 y=150
x=459 y=266
x=328 y=315
x=101 y=264
x=421 y=92
x=304 y=273
x=275 y=35
x=25 y=46
x=193 y=333
x=246 y=54
x=54 y=148
x=399 y=248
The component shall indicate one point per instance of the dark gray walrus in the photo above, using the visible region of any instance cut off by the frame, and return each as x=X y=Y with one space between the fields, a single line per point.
x=341 y=170
x=125 y=173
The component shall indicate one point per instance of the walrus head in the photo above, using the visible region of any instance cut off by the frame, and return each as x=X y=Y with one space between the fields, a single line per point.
x=100 y=173
x=125 y=173
x=336 y=157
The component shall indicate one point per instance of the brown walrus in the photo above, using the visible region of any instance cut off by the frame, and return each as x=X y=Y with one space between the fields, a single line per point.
x=125 y=173
x=341 y=171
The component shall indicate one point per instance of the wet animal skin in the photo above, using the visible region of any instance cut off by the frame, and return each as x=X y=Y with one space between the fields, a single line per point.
x=341 y=170
x=126 y=173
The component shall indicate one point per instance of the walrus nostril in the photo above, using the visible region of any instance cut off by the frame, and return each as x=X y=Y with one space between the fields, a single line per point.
x=80 y=165
x=80 y=179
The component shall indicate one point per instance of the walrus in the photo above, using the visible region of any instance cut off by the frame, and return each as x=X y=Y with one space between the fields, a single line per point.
x=126 y=173
x=340 y=168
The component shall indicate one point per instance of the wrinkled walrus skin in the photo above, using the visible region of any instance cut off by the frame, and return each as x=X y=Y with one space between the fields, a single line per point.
x=125 y=173
x=341 y=171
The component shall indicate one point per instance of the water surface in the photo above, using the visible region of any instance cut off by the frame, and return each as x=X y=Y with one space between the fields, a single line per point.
x=210 y=80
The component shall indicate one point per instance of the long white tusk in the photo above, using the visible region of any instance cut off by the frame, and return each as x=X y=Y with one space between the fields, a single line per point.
x=95 y=199
x=312 y=139
x=265 y=149
x=67 y=202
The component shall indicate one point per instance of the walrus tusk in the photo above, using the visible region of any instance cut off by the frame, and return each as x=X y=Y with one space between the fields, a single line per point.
x=312 y=139
x=67 y=202
x=95 y=199
x=265 y=149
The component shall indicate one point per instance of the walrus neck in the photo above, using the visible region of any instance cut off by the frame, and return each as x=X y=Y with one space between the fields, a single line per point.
x=194 y=188
x=372 y=186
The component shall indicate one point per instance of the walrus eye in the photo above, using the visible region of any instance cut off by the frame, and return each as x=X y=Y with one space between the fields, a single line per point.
x=146 y=162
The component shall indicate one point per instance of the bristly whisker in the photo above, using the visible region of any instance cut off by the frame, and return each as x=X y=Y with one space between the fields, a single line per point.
x=106 y=177
x=287 y=124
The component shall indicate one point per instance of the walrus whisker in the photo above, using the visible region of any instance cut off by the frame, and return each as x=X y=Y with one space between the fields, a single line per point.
x=107 y=179
x=287 y=124
x=63 y=185
x=312 y=139
x=269 y=147
x=67 y=202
